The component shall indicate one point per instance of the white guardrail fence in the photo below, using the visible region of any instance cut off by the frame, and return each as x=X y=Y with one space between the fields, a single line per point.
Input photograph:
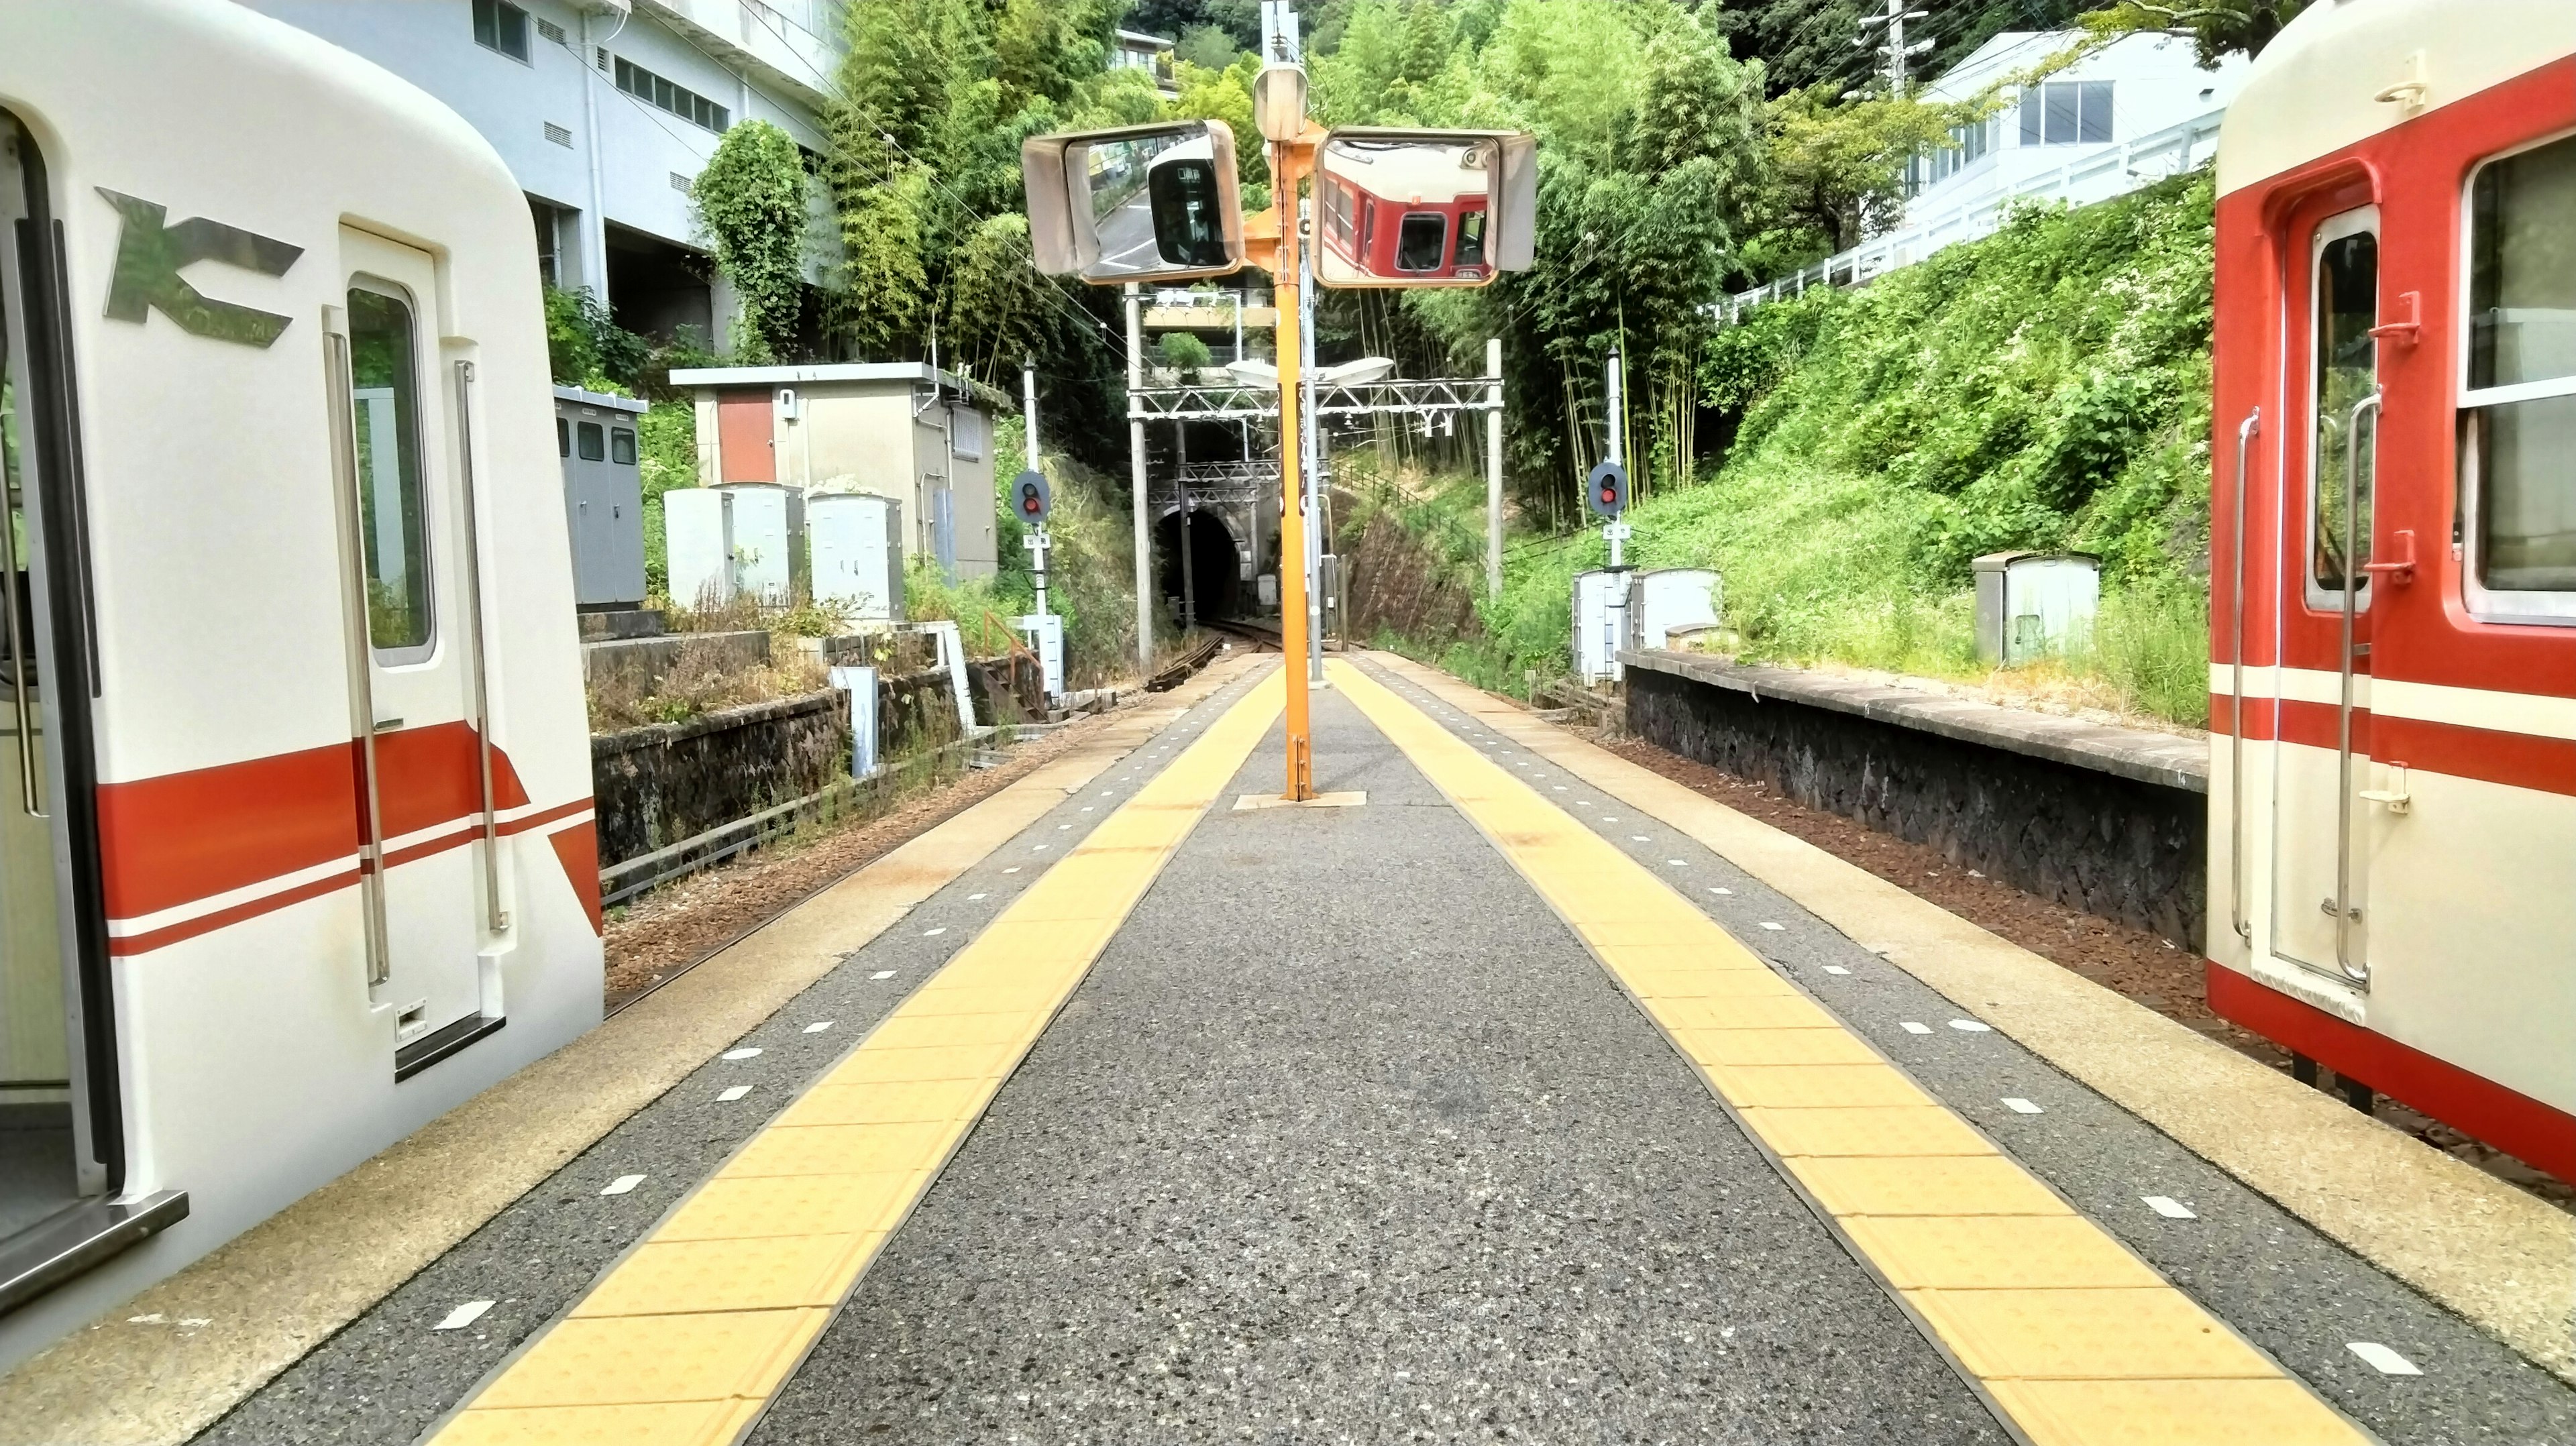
x=2106 y=173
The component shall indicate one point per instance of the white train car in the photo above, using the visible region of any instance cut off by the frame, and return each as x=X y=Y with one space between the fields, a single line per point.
x=2393 y=804
x=296 y=849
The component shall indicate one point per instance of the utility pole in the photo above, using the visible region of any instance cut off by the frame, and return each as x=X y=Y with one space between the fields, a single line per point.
x=1038 y=534
x=1615 y=616
x=1894 y=48
x=1136 y=477
x=1494 y=470
x=1312 y=440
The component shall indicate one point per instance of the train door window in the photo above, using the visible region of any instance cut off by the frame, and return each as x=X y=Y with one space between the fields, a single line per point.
x=621 y=446
x=384 y=390
x=1423 y=243
x=2518 y=401
x=2344 y=369
x=1337 y=214
x=593 y=444
x=1471 y=238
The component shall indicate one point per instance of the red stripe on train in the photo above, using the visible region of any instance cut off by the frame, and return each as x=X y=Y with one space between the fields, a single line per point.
x=2507 y=1119
x=2516 y=760
x=173 y=840
x=585 y=887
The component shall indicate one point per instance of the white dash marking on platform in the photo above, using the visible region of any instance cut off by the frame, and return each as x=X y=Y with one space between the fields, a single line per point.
x=934 y=933
x=2021 y=1106
x=1559 y=787
x=1971 y=1026
x=2382 y=1359
x=731 y=1093
x=1767 y=924
x=882 y=974
x=1836 y=969
x=971 y=898
x=1013 y=869
x=1721 y=891
x=1639 y=838
x=621 y=1184
x=463 y=1316
x=1678 y=863
x=1037 y=848
x=818 y=1026
x=1910 y=1027
x=746 y=1052
x=1059 y=828
x=2169 y=1207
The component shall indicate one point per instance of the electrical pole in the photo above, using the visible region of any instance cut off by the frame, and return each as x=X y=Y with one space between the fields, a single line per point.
x=1494 y=470
x=1136 y=476
x=1312 y=440
x=1037 y=539
x=1615 y=616
x=1895 y=48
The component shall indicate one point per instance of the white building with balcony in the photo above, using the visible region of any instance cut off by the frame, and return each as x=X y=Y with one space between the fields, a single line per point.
x=1152 y=54
x=605 y=111
x=2136 y=87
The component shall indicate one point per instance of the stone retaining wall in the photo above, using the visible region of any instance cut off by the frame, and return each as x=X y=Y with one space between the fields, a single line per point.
x=2113 y=821
x=665 y=782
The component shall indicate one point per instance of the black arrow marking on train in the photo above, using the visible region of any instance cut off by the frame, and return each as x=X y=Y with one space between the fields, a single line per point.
x=150 y=254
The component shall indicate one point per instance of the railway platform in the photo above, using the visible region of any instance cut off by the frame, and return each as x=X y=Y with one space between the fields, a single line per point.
x=1476 y=1103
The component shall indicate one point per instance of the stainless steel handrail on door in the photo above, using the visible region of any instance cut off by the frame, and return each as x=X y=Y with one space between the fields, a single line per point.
x=362 y=687
x=2245 y=433
x=494 y=914
x=2353 y=578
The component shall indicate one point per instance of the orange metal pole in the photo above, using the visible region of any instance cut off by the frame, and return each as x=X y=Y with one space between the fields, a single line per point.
x=1287 y=170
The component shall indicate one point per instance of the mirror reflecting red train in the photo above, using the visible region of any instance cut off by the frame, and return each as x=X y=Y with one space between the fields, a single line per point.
x=1396 y=208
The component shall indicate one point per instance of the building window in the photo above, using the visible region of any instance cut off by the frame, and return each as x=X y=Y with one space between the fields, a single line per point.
x=2066 y=113
x=679 y=100
x=502 y=26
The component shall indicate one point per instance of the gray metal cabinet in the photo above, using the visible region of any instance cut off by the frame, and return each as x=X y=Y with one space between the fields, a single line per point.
x=595 y=435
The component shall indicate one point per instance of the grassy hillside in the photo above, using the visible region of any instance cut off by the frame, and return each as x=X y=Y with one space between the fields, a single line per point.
x=2047 y=387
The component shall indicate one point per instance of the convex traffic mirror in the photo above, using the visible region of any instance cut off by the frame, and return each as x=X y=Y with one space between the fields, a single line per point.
x=1142 y=203
x=1423 y=208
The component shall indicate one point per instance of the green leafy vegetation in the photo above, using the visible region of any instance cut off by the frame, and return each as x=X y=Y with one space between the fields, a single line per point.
x=2045 y=388
x=750 y=201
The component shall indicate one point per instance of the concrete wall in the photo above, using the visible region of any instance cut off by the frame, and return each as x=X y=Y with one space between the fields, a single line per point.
x=2111 y=821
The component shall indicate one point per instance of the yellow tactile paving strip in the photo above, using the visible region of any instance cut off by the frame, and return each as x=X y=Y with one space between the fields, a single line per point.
x=682 y=1342
x=2073 y=1337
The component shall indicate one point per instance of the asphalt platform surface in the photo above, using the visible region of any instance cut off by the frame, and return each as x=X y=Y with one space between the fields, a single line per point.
x=1346 y=1138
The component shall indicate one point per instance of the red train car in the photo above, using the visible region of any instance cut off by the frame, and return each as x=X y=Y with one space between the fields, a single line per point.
x=2393 y=804
x=1409 y=221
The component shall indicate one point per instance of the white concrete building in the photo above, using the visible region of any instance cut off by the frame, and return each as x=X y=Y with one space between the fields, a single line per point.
x=1152 y=54
x=2134 y=88
x=605 y=111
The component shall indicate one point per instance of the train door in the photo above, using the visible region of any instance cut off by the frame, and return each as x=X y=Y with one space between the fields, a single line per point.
x=2320 y=874
x=59 y=1118
x=420 y=793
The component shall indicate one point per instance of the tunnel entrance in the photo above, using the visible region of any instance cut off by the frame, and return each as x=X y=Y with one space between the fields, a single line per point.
x=1212 y=574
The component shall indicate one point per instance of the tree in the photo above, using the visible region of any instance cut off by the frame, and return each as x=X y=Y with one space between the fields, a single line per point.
x=2215 y=26
x=1837 y=171
x=750 y=204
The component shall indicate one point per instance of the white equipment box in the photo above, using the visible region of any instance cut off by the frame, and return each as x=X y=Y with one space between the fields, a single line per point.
x=857 y=542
